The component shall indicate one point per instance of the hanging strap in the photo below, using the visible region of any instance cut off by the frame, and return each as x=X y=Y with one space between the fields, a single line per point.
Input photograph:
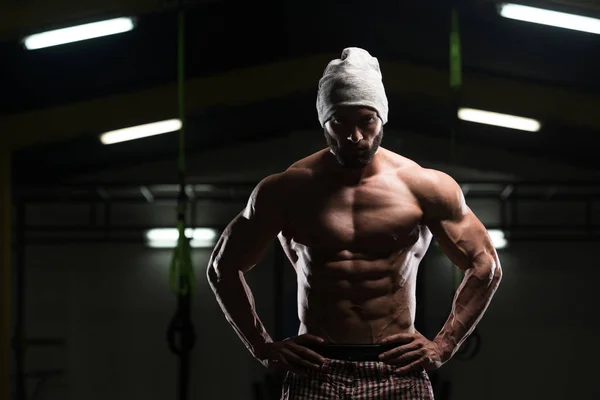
x=181 y=335
x=181 y=271
x=455 y=80
x=455 y=54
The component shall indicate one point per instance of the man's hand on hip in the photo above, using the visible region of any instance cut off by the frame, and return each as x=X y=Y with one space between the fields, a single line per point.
x=291 y=354
x=414 y=351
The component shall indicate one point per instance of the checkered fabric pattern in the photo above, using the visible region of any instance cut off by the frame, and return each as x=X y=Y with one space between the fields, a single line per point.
x=357 y=380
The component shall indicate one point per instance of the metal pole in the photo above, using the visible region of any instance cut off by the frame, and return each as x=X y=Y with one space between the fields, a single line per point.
x=5 y=267
x=19 y=329
x=186 y=346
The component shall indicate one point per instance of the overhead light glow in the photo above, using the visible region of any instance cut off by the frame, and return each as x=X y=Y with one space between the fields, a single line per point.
x=552 y=18
x=140 y=131
x=503 y=120
x=498 y=239
x=78 y=33
x=167 y=237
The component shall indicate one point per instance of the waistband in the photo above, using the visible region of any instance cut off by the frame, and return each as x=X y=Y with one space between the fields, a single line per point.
x=351 y=352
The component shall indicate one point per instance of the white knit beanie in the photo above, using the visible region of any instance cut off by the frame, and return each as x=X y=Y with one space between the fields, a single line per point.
x=353 y=80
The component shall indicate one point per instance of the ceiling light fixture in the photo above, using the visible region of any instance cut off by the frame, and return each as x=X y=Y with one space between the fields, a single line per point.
x=140 y=131
x=497 y=119
x=498 y=238
x=549 y=17
x=167 y=237
x=78 y=33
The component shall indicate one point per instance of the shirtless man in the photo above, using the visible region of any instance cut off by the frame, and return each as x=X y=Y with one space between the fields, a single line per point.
x=355 y=221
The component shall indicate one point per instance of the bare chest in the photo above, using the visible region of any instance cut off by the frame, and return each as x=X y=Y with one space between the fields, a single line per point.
x=374 y=219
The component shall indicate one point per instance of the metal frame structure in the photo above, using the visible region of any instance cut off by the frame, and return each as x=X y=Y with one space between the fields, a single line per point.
x=509 y=195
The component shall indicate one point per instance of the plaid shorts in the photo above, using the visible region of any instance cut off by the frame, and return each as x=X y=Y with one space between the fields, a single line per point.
x=357 y=380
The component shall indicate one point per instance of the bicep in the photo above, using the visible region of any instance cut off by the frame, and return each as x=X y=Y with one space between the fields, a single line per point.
x=463 y=238
x=458 y=231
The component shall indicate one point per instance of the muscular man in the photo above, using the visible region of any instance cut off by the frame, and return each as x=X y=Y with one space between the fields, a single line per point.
x=355 y=220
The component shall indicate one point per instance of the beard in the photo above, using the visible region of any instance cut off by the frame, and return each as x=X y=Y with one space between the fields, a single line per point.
x=348 y=156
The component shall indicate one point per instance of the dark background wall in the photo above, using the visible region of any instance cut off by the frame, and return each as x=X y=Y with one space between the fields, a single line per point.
x=110 y=303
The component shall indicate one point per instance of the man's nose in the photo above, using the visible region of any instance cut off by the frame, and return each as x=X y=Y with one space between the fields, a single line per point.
x=355 y=136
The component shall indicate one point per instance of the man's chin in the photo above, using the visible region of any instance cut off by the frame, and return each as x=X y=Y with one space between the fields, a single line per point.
x=355 y=164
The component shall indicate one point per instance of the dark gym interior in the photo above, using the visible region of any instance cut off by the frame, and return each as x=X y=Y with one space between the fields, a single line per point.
x=87 y=305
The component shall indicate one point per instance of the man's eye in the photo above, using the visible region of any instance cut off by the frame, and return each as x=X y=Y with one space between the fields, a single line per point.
x=335 y=121
x=369 y=121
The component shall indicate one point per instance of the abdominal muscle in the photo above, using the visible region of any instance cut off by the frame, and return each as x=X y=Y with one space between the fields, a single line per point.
x=357 y=301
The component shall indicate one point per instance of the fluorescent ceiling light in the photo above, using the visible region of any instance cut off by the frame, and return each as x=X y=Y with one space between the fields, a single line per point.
x=167 y=237
x=78 y=33
x=552 y=18
x=498 y=239
x=140 y=131
x=503 y=120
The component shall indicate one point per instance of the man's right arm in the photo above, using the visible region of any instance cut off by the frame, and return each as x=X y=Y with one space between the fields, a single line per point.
x=238 y=250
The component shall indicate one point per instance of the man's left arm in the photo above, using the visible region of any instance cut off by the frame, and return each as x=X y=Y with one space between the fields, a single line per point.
x=466 y=242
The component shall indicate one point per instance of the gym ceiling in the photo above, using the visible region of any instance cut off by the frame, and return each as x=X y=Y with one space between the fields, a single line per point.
x=252 y=70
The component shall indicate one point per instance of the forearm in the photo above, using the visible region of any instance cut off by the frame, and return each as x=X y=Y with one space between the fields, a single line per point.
x=471 y=300
x=236 y=300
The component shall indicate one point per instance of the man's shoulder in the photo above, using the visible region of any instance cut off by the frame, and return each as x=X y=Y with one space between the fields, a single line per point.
x=298 y=173
x=426 y=184
x=309 y=163
x=438 y=194
x=302 y=171
x=429 y=179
